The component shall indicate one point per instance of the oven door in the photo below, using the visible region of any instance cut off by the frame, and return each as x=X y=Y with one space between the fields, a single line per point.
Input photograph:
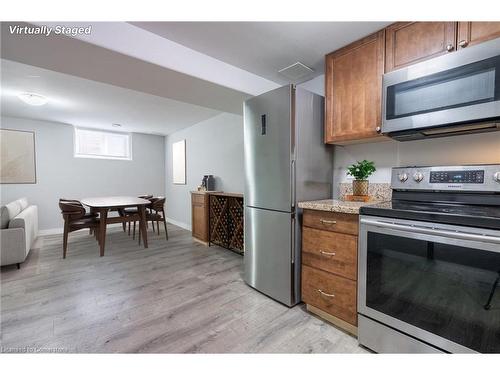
x=462 y=87
x=434 y=282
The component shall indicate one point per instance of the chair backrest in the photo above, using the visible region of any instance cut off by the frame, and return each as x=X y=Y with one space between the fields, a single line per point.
x=157 y=203
x=71 y=209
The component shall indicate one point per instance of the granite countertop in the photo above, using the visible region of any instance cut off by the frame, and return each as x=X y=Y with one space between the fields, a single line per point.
x=335 y=205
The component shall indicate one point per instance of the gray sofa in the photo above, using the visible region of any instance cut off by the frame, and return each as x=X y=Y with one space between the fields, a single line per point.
x=19 y=230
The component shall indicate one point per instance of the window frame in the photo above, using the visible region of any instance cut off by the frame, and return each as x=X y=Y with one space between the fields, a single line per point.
x=97 y=130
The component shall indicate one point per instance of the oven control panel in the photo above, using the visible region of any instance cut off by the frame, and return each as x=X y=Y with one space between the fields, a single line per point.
x=485 y=178
x=457 y=177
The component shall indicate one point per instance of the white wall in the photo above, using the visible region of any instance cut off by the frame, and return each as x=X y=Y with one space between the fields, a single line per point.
x=316 y=85
x=60 y=175
x=466 y=149
x=214 y=146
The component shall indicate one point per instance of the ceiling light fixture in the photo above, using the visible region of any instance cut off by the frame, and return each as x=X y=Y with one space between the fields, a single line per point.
x=116 y=125
x=32 y=98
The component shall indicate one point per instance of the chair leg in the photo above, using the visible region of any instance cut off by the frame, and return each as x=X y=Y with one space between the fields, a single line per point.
x=133 y=236
x=121 y=213
x=18 y=266
x=65 y=239
x=90 y=231
x=158 y=226
x=140 y=236
x=153 y=224
x=129 y=224
x=165 y=224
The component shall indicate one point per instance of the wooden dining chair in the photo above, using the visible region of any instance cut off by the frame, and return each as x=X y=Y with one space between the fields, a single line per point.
x=135 y=211
x=76 y=218
x=90 y=213
x=156 y=213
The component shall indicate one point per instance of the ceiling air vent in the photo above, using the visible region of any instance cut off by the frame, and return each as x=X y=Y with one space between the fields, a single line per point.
x=296 y=71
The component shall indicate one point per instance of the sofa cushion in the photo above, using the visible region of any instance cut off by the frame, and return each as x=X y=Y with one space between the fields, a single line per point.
x=27 y=220
x=23 y=202
x=14 y=208
x=4 y=217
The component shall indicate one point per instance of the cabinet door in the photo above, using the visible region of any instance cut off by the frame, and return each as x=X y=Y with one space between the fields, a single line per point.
x=411 y=42
x=353 y=89
x=199 y=219
x=470 y=33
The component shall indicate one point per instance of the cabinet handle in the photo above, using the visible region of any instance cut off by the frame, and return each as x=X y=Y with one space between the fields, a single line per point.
x=463 y=43
x=328 y=222
x=326 y=294
x=449 y=47
x=326 y=253
x=378 y=129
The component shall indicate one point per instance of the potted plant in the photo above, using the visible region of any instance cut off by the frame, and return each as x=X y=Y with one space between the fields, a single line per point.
x=361 y=171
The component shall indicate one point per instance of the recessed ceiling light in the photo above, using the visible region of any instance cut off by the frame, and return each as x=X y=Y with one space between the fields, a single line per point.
x=32 y=98
x=116 y=125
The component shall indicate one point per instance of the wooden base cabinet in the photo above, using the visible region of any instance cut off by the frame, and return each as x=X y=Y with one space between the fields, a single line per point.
x=329 y=267
x=199 y=216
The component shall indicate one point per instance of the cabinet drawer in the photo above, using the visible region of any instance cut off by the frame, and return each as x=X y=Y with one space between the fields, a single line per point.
x=330 y=251
x=198 y=198
x=333 y=294
x=332 y=221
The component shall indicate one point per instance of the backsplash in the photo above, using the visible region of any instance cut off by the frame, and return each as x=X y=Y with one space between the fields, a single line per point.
x=379 y=191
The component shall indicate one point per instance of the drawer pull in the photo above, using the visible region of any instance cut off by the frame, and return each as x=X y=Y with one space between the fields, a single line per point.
x=326 y=253
x=328 y=222
x=326 y=294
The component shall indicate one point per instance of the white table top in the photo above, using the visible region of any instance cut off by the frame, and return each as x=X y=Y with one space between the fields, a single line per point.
x=114 y=202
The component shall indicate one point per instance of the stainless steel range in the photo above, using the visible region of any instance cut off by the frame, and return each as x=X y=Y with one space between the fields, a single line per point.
x=429 y=263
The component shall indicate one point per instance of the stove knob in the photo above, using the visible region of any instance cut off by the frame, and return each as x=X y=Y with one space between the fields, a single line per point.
x=496 y=176
x=403 y=177
x=418 y=176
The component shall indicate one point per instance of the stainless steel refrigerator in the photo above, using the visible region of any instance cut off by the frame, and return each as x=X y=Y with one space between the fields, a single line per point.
x=286 y=162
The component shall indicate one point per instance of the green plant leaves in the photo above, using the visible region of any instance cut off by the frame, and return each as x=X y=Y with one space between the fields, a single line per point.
x=361 y=170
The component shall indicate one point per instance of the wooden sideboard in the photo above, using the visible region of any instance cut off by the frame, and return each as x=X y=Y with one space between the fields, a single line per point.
x=217 y=218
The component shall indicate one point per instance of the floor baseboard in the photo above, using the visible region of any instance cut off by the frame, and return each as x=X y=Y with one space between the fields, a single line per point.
x=48 y=232
x=179 y=224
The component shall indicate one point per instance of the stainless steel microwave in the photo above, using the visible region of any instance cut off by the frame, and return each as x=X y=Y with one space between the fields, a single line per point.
x=457 y=93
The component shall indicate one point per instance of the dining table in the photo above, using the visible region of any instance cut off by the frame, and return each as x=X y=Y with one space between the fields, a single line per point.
x=103 y=205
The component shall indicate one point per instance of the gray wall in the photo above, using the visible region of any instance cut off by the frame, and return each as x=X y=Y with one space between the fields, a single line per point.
x=60 y=174
x=214 y=146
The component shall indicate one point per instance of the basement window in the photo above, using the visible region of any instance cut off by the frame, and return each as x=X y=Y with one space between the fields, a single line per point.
x=101 y=144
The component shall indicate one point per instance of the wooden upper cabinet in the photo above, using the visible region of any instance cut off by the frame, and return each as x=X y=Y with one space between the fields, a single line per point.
x=412 y=42
x=470 y=33
x=353 y=90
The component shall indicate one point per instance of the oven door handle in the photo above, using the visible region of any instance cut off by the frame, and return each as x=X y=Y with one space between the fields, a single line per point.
x=433 y=231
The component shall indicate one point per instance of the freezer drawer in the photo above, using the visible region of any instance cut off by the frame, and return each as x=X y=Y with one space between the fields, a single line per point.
x=268 y=254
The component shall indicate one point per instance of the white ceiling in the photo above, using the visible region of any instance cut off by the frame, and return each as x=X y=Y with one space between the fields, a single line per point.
x=263 y=48
x=81 y=102
x=158 y=77
x=115 y=66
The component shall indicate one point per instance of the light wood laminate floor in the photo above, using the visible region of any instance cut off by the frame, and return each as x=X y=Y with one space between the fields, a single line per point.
x=175 y=296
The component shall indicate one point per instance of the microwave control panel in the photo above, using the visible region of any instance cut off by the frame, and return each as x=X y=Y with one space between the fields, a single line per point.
x=457 y=177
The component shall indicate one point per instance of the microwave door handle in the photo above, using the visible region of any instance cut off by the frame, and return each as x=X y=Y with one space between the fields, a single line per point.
x=433 y=231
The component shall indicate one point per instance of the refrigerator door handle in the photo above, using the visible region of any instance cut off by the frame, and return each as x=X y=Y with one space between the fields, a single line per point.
x=292 y=182
x=293 y=239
